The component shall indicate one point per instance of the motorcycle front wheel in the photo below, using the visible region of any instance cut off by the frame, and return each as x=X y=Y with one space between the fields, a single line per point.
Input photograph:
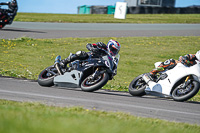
x=46 y=77
x=90 y=85
x=137 y=86
x=181 y=93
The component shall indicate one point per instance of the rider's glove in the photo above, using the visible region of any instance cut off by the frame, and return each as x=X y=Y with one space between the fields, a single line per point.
x=90 y=47
x=95 y=50
x=101 y=45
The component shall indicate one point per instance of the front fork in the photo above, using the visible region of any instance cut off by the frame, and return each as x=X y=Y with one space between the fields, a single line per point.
x=187 y=82
x=184 y=87
x=97 y=73
x=57 y=64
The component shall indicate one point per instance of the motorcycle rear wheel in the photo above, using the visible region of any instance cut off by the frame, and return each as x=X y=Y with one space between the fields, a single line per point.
x=137 y=86
x=44 y=80
x=193 y=86
x=1 y=26
x=90 y=86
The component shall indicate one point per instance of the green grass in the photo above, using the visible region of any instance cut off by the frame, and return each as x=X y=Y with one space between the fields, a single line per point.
x=105 y=18
x=17 y=117
x=26 y=57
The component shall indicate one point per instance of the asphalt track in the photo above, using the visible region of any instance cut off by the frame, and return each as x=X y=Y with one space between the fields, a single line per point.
x=62 y=30
x=162 y=108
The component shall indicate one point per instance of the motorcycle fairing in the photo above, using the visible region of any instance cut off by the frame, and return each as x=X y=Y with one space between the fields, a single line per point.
x=68 y=79
x=174 y=75
x=74 y=77
x=108 y=61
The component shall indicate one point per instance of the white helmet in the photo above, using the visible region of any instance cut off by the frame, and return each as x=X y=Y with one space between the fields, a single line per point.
x=198 y=55
x=113 y=47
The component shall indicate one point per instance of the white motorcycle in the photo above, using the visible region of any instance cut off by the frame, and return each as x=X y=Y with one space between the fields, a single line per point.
x=181 y=83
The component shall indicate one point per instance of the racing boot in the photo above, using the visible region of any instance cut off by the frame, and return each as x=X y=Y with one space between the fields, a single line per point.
x=80 y=55
x=69 y=59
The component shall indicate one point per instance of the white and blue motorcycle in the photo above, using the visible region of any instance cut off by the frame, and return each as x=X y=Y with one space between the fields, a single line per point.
x=90 y=74
x=181 y=83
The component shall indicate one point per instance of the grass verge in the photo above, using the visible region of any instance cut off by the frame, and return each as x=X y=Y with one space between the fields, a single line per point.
x=27 y=57
x=106 y=18
x=38 y=118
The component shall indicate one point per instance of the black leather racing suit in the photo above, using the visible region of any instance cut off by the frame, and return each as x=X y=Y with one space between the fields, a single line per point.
x=96 y=49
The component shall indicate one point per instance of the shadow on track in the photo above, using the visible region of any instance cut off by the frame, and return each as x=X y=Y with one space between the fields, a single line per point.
x=22 y=30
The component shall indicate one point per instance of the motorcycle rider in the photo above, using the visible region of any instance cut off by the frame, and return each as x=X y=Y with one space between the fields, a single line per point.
x=12 y=8
x=11 y=5
x=96 y=49
x=187 y=60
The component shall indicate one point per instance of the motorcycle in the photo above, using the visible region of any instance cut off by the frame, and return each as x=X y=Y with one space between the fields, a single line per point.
x=6 y=15
x=90 y=74
x=180 y=83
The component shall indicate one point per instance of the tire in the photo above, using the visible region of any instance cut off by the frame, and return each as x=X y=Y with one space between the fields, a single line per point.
x=1 y=26
x=137 y=86
x=44 y=80
x=88 y=86
x=193 y=86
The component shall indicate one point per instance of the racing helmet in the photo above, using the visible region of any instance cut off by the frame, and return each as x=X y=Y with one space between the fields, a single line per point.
x=14 y=1
x=13 y=4
x=113 y=47
x=198 y=55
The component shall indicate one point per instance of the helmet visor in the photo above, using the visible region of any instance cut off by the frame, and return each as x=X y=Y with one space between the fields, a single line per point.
x=113 y=51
